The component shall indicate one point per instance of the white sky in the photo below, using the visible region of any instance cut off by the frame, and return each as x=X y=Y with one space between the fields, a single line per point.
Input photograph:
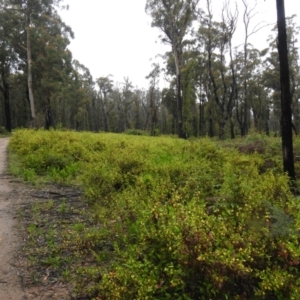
x=115 y=36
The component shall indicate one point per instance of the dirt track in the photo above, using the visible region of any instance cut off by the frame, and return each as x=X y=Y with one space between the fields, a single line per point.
x=15 y=282
x=10 y=279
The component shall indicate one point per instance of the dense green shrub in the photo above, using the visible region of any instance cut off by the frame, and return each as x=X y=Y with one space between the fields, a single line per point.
x=176 y=219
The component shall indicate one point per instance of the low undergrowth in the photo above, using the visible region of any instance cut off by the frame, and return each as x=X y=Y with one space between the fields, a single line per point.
x=4 y=132
x=56 y=216
x=165 y=218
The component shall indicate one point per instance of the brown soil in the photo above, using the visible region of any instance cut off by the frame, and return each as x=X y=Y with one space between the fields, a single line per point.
x=10 y=279
x=15 y=281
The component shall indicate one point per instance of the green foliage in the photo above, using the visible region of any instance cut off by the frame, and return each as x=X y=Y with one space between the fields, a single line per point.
x=172 y=219
x=56 y=154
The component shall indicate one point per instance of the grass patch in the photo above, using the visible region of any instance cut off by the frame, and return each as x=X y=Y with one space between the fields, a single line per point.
x=50 y=223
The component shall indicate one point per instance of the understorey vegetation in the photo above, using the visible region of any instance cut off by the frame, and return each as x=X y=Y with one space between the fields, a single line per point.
x=160 y=217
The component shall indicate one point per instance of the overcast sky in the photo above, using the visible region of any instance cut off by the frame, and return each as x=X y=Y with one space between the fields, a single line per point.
x=115 y=36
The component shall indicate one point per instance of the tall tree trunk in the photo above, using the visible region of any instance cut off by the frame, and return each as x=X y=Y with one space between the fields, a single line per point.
x=7 y=109
x=181 y=133
x=104 y=113
x=222 y=123
x=5 y=92
x=152 y=111
x=245 y=115
x=267 y=119
x=286 y=113
x=29 y=66
x=232 y=134
x=211 y=125
x=202 y=128
x=48 y=113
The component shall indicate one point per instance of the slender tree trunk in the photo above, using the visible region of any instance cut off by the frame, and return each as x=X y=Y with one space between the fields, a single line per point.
x=286 y=113
x=202 y=128
x=147 y=119
x=211 y=125
x=232 y=96
x=29 y=66
x=104 y=113
x=245 y=115
x=220 y=102
x=153 y=112
x=8 y=126
x=181 y=133
x=5 y=92
x=222 y=123
x=48 y=113
x=232 y=134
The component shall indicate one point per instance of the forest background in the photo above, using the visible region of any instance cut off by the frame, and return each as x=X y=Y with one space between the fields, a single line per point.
x=226 y=89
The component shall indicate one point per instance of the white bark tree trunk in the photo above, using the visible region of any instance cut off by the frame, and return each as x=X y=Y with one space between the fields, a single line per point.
x=29 y=62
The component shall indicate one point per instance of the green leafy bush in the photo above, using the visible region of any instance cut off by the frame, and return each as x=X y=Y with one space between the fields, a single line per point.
x=175 y=219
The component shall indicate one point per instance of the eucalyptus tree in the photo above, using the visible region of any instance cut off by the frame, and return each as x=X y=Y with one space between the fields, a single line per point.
x=52 y=64
x=201 y=74
x=169 y=102
x=19 y=102
x=11 y=47
x=123 y=97
x=249 y=13
x=79 y=95
x=174 y=18
x=259 y=100
x=230 y=19
x=271 y=82
x=215 y=38
x=250 y=108
x=139 y=109
x=5 y=90
x=8 y=60
x=105 y=85
x=42 y=30
x=272 y=71
x=151 y=107
x=190 y=88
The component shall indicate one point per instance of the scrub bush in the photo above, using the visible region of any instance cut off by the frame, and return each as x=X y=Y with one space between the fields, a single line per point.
x=175 y=219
